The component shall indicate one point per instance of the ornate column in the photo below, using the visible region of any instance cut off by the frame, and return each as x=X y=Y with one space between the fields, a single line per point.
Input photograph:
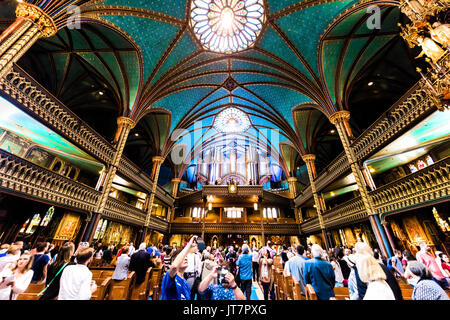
x=175 y=184
x=261 y=215
x=340 y=120
x=292 y=188
x=385 y=225
x=203 y=216
x=31 y=24
x=107 y=176
x=124 y=127
x=320 y=205
x=157 y=162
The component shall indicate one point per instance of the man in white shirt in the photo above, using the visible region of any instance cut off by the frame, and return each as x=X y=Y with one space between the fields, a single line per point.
x=255 y=264
x=76 y=280
x=193 y=271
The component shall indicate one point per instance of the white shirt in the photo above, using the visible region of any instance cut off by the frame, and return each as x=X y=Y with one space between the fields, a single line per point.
x=255 y=256
x=8 y=259
x=379 y=290
x=194 y=263
x=21 y=283
x=75 y=283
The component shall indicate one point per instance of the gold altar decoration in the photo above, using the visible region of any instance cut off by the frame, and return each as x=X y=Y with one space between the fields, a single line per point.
x=67 y=227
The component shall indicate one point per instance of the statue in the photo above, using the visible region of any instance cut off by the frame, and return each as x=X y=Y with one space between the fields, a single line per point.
x=430 y=48
x=441 y=33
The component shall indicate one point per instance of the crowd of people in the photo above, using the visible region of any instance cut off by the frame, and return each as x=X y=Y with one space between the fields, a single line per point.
x=196 y=272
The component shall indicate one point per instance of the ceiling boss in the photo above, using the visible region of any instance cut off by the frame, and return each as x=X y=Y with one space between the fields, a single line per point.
x=227 y=26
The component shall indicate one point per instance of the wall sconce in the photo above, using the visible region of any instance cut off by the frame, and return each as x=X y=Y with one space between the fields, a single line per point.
x=255 y=206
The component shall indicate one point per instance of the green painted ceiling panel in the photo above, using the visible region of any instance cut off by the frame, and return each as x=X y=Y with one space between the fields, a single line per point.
x=152 y=36
x=111 y=60
x=345 y=26
x=131 y=66
x=176 y=8
x=273 y=43
x=282 y=99
x=277 y=5
x=374 y=46
x=330 y=57
x=79 y=41
x=60 y=65
x=353 y=50
x=185 y=47
x=180 y=102
x=314 y=21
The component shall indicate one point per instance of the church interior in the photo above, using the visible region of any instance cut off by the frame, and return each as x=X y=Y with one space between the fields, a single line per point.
x=312 y=122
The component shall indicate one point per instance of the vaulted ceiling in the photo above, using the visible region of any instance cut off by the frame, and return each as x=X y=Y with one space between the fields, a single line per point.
x=140 y=58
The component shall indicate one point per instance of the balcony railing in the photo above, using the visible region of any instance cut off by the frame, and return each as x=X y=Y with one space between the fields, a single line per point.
x=423 y=187
x=19 y=176
x=414 y=105
x=41 y=103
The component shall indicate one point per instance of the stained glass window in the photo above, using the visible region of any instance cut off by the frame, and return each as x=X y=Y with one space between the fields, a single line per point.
x=227 y=26
x=232 y=120
x=441 y=222
x=97 y=230
x=34 y=223
x=48 y=216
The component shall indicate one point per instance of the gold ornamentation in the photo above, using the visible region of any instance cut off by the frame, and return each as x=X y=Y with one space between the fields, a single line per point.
x=39 y=17
x=309 y=157
x=339 y=116
x=126 y=122
x=158 y=159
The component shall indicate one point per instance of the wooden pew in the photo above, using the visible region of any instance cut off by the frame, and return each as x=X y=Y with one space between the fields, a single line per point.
x=121 y=289
x=103 y=288
x=278 y=279
x=35 y=288
x=297 y=291
x=341 y=293
x=140 y=291
x=407 y=293
x=27 y=296
x=289 y=287
x=310 y=293
x=155 y=278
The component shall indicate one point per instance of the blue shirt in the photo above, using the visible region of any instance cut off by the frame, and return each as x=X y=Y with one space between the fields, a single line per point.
x=150 y=250
x=296 y=266
x=320 y=274
x=218 y=292
x=245 y=266
x=175 y=288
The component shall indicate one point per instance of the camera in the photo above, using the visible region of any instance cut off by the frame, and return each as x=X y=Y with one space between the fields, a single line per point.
x=200 y=245
x=221 y=273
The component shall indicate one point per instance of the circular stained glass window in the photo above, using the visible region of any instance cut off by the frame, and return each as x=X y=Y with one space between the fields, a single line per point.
x=232 y=120
x=227 y=26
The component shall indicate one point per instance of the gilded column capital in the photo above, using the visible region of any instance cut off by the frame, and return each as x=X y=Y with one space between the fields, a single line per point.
x=309 y=157
x=339 y=116
x=37 y=16
x=158 y=159
x=176 y=180
x=126 y=122
x=292 y=179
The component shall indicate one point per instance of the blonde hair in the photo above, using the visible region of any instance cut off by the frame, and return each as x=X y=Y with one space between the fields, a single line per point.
x=13 y=249
x=29 y=264
x=369 y=269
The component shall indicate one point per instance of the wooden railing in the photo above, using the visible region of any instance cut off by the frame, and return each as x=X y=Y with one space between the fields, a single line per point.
x=53 y=113
x=413 y=106
x=423 y=187
x=22 y=177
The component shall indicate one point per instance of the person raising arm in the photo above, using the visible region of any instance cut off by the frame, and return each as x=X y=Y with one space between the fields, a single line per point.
x=174 y=286
x=222 y=290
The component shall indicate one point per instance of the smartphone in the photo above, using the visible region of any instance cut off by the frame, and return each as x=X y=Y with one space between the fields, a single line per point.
x=221 y=273
x=200 y=245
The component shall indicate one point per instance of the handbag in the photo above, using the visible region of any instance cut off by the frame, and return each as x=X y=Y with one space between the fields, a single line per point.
x=46 y=287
